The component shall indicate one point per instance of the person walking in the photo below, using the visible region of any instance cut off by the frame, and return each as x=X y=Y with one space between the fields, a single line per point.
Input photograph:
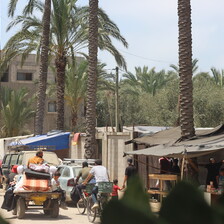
x=116 y=188
x=130 y=171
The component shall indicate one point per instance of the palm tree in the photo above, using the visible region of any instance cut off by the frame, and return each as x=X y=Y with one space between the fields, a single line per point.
x=185 y=69
x=90 y=141
x=75 y=88
x=16 y=110
x=146 y=81
x=218 y=76
x=69 y=35
x=194 y=67
x=41 y=94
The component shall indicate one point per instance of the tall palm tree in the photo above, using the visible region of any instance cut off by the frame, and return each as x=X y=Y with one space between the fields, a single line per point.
x=69 y=35
x=90 y=141
x=41 y=94
x=194 y=66
x=185 y=69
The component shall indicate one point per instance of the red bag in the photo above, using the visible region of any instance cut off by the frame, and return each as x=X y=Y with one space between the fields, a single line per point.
x=35 y=184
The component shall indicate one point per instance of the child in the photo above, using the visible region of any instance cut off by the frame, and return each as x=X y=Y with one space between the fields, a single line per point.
x=55 y=185
x=114 y=193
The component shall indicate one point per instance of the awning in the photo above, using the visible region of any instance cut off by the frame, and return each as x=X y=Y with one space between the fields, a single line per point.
x=205 y=142
x=59 y=140
x=176 y=151
x=173 y=135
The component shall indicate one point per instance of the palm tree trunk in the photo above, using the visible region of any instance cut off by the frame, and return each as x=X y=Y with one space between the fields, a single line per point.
x=90 y=141
x=41 y=95
x=74 y=115
x=60 y=63
x=185 y=73
x=185 y=69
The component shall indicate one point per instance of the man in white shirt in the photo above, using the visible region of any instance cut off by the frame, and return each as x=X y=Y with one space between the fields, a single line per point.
x=101 y=175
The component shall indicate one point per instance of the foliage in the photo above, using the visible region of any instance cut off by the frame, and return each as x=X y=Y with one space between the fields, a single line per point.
x=3 y=221
x=16 y=111
x=75 y=88
x=185 y=204
x=146 y=81
x=132 y=208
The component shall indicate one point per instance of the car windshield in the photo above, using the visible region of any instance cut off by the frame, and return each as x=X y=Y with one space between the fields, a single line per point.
x=76 y=170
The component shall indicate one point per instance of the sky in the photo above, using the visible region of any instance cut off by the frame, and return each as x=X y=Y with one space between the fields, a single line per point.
x=151 y=29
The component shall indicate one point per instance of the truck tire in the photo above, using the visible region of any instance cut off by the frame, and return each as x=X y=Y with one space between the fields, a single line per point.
x=54 y=212
x=46 y=205
x=21 y=208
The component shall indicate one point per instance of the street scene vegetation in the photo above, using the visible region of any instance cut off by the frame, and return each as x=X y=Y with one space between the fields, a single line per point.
x=179 y=96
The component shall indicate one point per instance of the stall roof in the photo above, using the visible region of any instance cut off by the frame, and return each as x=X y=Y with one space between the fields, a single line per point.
x=59 y=140
x=205 y=142
x=173 y=135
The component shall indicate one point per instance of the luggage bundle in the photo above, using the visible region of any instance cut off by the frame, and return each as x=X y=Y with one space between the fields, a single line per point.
x=37 y=178
x=32 y=184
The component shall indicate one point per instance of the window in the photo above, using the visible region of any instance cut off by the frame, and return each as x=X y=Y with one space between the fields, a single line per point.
x=76 y=171
x=52 y=106
x=5 y=77
x=23 y=76
x=66 y=172
x=14 y=159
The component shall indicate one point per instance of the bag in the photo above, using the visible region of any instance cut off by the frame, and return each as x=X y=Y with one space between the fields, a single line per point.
x=39 y=168
x=37 y=175
x=75 y=195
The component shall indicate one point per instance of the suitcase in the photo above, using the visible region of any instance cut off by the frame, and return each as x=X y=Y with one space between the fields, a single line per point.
x=37 y=175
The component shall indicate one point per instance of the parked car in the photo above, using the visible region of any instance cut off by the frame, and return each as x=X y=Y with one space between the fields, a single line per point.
x=67 y=178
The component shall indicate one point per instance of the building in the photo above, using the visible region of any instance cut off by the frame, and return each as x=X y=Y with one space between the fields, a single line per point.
x=27 y=75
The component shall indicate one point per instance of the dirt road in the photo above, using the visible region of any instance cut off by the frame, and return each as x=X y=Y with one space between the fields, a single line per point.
x=69 y=216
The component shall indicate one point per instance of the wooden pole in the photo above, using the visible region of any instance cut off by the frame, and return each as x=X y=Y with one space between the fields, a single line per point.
x=116 y=100
x=182 y=165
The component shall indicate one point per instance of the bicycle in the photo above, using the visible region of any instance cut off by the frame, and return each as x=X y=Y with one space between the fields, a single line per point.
x=104 y=190
x=82 y=203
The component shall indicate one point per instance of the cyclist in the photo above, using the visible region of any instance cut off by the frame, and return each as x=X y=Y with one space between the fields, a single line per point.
x=84 y=172
x=101 y=175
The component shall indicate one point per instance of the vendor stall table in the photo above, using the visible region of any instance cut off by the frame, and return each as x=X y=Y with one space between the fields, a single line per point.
x=162 y=178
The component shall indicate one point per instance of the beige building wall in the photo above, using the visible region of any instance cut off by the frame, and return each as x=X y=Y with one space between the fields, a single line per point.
x=32 y=66
x=113 y=148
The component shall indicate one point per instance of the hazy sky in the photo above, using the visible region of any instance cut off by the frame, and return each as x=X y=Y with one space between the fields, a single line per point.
x=150 y=27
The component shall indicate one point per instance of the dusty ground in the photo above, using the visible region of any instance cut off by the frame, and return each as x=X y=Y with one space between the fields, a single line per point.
x=69 y=216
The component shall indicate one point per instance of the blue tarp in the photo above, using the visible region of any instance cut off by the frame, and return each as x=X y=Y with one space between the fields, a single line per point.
x=60 y=140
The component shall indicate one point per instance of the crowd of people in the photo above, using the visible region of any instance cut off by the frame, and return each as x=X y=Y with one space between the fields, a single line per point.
x=99 y=173
x=215 y=171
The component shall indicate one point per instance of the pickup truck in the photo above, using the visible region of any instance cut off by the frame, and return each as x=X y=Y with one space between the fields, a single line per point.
x=22 y=157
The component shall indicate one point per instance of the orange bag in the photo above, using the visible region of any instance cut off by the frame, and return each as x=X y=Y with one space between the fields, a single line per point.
x=35 y=184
